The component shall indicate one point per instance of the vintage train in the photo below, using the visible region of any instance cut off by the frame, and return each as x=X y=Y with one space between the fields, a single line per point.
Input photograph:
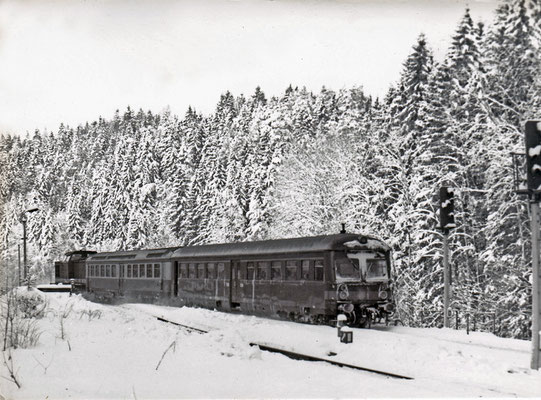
x=309 y=279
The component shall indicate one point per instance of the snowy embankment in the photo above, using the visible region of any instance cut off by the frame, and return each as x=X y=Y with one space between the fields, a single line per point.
x=125 y=352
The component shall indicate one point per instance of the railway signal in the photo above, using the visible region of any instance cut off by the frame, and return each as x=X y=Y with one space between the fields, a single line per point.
x=447 y=208
x=533 y=156
x=447 y=222
x=533 y=171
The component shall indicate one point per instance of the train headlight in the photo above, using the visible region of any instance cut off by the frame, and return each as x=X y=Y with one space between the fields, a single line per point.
x=383 y=295
x=347 y=308
x=343 y=292
x=389 y=308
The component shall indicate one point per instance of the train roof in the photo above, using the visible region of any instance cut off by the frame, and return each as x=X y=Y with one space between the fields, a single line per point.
x=134 y=255
x=283 y=246
x=81 y=252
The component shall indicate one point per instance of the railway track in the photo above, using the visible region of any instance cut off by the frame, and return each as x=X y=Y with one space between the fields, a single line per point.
x=294 y=355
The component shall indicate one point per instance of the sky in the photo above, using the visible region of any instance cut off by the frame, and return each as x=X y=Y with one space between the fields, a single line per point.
x=72 y=61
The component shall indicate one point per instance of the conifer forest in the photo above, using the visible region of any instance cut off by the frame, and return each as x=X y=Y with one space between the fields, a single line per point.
x=302 y=163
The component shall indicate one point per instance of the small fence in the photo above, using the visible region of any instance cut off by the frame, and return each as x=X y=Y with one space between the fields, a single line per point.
x=475 y=321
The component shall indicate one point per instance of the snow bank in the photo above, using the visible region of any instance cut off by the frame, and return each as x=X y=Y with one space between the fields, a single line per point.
x=125 y=352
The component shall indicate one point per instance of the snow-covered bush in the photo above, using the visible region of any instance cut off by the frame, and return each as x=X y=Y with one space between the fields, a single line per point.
x=31 y=306
x=20 y=314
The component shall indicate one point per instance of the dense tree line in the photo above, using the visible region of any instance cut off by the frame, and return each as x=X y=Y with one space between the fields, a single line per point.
x=302 y=163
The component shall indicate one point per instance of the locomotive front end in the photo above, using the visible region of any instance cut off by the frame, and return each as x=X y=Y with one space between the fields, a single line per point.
x=363 y=281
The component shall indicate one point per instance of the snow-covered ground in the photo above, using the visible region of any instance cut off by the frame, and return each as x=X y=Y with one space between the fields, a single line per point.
x=124 y=352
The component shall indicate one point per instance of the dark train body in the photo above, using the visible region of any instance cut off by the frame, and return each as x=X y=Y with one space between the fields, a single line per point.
x=72 y=269
x=310 y=279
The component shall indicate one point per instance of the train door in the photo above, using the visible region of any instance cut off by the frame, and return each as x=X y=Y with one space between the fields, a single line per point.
x=175 y=279
x=235 y=293
x=121 y=275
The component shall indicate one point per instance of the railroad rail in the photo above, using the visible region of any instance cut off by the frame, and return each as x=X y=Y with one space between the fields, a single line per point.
x=294 y=355
x=305 y=357
x=188 y=328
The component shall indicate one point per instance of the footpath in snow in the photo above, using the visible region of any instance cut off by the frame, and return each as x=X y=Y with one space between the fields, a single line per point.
x=124 y=352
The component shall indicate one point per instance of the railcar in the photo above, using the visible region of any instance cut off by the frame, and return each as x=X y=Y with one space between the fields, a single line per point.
x=143 y=275
x=310 y=279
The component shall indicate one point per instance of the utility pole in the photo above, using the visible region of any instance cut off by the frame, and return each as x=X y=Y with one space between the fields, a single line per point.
x=19 y=265
x=24 y=219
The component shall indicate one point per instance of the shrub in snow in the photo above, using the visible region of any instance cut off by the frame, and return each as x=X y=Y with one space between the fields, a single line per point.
x=20 y=314
x=32 y=306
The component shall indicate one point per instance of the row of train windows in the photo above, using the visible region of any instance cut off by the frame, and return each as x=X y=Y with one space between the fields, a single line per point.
x=126 y=271
x=292 y=270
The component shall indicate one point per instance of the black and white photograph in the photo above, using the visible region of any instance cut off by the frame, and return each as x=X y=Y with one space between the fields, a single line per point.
x=270 y=199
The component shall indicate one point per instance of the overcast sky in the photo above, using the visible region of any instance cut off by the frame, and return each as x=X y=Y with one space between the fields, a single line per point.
x=73 y=61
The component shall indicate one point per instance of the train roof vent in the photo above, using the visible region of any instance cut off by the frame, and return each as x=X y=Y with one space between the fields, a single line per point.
x=99 y=257
x=150 y=255
x=123 y=256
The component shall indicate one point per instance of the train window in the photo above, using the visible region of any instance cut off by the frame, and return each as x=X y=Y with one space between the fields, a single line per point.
x=305 y=270
x=129 y=271
x=113 y=271
x=376 y=268
x=121 y=271
x=318 y=270
x=211 y=269
x=263 y=270
x=157 y=271
x=135 y=273
x=250 y=268
x=201 y=271
x=102 y=270
x=348 y=268
x=141 y=270
x=192 y=271
x=276 y=270
x=149 y=270
x=90 y=269
x=183 y=270
x=221 y=270
x=291 y=270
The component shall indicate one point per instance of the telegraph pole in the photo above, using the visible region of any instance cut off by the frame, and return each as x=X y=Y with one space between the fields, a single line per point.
x=24 y=219
x=19 y=265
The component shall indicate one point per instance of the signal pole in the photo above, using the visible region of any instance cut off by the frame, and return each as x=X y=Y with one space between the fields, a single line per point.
x=446 y=280
x=533 y=172
x=536 y=295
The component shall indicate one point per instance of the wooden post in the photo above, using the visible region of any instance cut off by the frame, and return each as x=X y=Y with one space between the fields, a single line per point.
x=536 y=295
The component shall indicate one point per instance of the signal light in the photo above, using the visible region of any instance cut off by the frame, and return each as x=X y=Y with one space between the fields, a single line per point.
x=447 y=208
x=533 y=155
